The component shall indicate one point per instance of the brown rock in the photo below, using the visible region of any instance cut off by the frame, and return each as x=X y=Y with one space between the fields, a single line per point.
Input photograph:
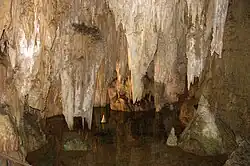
x=241 y=155
x=34 y=137
x=119 y=105
x=3 y=74
x=112 y=93
x=187 y=111
x=46 y=42
x=8 y=133
x=54 y=100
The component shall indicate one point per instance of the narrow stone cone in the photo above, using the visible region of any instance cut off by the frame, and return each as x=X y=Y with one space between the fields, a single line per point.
x=172 y=139
x=103 y=119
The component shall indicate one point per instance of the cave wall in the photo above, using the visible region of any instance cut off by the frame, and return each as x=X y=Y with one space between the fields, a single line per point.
x=44 y=48
x=222 y=117
x=227 y=83
x=53 y=60
x=168 y=39
x=64 y=54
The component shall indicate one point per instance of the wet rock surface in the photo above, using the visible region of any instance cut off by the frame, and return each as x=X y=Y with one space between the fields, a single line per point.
x=74 y=142
x=143 y=149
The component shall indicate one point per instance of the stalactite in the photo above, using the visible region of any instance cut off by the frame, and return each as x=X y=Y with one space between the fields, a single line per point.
x=69 y=42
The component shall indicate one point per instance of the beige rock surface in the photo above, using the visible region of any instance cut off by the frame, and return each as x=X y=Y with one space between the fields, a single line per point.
x=77 y=42
x=8 y=133
x=63 y=54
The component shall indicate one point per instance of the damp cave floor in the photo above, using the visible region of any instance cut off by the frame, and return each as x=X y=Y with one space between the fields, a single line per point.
x=117 y=147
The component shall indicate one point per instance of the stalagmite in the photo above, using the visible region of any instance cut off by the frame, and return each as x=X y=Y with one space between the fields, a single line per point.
x=172 y=139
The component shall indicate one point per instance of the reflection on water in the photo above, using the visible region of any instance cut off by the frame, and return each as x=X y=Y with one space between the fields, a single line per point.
x=127 y=139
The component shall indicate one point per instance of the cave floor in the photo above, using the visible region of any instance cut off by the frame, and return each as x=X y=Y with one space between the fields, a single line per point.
x=126 y=140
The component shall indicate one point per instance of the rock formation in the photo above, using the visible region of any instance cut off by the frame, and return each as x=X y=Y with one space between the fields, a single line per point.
x=241 y=156
x=63 y=56
x=206 y=134
x=172 y=139
x=81 y=43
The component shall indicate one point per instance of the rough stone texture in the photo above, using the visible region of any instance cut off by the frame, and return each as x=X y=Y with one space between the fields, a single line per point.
x=74 y=142
x=241 y=156
x=187 y=111
x=230 y=84
x=206 y=135
x=224 y=81
x=10 y=138
x=34 y=137
x=64 y=54
x=205 y=34
x=45 y=46
x=8 y=132
x=79 y=44
x=172 y=139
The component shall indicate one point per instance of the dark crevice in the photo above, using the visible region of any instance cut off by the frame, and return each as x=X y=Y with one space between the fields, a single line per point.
x=4 y=47
x=91 y=31
x=196 y=106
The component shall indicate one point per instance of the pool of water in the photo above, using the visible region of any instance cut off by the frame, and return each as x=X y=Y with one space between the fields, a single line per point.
x=127 y=139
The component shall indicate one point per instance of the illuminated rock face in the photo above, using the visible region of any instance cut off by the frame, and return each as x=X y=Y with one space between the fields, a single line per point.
x=154 y=37
x=166 y=33
x=9 y=137
x=63 y=54
x=50 y=58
